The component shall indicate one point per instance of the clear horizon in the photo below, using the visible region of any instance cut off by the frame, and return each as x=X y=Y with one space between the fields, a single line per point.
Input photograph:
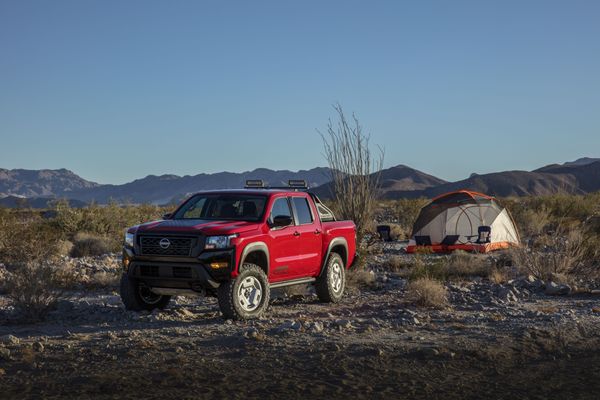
x=116 y=91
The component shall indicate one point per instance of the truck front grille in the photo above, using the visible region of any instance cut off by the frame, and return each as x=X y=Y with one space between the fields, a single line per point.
x=166 y=246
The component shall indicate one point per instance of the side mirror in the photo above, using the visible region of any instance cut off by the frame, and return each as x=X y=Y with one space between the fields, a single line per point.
x=167 y=215
x=281 y=220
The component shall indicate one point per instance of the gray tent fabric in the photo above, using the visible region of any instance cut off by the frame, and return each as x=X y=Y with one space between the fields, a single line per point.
x=462 y=214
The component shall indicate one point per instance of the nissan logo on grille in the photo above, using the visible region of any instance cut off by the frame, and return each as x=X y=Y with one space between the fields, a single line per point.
x=164 y=243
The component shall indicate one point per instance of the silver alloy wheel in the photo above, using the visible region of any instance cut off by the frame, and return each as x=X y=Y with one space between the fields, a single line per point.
x=249 y=294
x=336 y=277
x=148 y=296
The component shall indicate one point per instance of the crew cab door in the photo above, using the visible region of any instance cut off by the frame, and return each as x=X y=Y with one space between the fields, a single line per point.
x=284 y=253
x=308 y=235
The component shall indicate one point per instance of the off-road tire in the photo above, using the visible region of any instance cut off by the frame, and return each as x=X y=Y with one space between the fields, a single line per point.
x=327 y=286
x=228 y=294
x=132 y=298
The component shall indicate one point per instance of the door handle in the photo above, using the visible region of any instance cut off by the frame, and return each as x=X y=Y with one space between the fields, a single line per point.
x=317 y=231
x=296 y=233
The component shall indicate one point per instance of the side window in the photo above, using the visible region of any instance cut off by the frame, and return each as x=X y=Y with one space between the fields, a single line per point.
x=280 y=207
x=303 y=210
x=195 y=211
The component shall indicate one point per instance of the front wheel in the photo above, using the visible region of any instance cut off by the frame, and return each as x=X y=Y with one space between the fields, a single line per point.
x=137 y=297
x=330 y=285
x=246 y=296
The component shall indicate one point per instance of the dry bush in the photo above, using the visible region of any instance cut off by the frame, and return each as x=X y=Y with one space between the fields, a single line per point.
x=399 y=232
x=35 y=288
x=360 y=278
x=459 y=265
x=33 y=283
x=463 y=264
x=407 y=211
x=498 y=276
x=397 y=263
x=426 y=292
x=86 y=245
x=559 y=252
x=355 y=171
x=103 y=280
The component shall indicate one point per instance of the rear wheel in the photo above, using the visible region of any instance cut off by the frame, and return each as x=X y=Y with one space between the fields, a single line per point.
x=246 y=296
x=137 y=297
x=330 y=285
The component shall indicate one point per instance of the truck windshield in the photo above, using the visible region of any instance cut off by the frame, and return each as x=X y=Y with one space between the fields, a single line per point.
x=223 y=207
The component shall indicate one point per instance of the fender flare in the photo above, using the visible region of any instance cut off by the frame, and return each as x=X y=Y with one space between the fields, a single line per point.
x=252 y=247
x=335 y=242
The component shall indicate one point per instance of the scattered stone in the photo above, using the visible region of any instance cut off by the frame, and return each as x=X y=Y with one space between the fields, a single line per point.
x=430 y=351
x=288 y=326
x=38 y=347
x=317 y=327
x=4 y=353
x=185 y=313
x=554 y=289
x=10 y=339
x=343 y=324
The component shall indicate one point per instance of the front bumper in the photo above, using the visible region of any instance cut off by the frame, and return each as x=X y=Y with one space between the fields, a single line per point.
x=205 y=272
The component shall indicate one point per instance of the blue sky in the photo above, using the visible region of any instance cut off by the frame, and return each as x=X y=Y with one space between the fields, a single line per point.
x=116 y=90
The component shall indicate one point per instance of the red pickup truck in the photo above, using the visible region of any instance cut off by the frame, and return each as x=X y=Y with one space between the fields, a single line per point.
x=237 y=245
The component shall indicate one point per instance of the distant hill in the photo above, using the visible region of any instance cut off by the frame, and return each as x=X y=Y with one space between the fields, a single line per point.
x=43 y=186
x=396 y=182
x=40 y=183
x=151 y=189
x=578 y=177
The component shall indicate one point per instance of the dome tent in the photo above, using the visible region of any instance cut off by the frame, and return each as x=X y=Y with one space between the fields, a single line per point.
x=463 y=220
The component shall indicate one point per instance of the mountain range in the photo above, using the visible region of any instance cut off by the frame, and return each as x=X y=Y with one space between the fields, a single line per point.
x=37 y=188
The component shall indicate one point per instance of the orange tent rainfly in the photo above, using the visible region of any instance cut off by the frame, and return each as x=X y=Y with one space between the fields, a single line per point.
x=463 y=220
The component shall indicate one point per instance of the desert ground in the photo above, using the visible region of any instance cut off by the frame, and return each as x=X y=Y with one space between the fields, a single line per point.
x=511 y=340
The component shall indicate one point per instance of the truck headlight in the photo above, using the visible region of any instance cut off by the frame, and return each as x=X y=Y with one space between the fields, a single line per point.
x=129 y=239
x=218 y=242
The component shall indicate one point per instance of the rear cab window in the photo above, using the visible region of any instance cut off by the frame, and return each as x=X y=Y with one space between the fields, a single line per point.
x=303 y=212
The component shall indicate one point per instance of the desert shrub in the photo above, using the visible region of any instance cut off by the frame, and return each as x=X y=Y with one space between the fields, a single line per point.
x=355 y=170
x=102 y=280
x=426 y=292
x=35 y=288
x=86 y=244
x=29 y=241
x=458 y=265
x=398 y=263
x=497 y=276
x=407 y=211
x=463 y=264
x=33 y=283
x=399 y=232
x=559 y=252
x=360 y=278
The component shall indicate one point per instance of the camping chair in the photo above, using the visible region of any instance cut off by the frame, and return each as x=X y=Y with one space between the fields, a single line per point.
x=384 y=232
x=423 y=240
x=450 y=240
x=484 y=234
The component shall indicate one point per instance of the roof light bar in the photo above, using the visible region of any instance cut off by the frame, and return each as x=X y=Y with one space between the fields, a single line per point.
x=255 y=183
x=297 y=183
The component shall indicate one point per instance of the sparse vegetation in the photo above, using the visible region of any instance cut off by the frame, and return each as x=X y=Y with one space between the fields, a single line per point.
x=35 y=288
x=86 y=244
x=360 y=278
x=355 y=170
x=427 y=292
x=456 y=266
x=558 y=252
